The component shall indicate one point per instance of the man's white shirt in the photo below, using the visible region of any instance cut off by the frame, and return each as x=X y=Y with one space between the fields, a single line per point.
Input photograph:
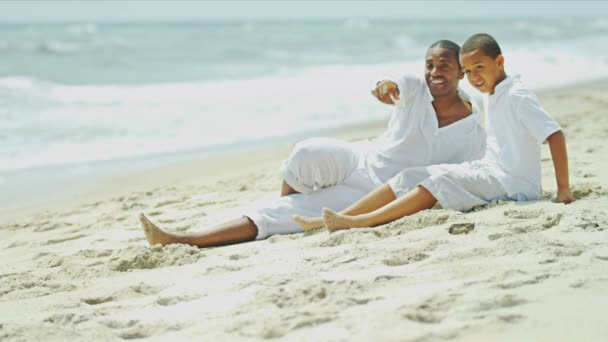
x=414 y=138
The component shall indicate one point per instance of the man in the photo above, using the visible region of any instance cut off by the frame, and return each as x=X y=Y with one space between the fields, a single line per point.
x=433 y=123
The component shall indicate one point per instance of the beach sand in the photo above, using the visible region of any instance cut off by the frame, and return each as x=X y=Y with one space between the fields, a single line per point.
x=80 y=268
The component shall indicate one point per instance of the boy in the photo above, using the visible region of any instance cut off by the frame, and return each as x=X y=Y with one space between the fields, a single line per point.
x=510 y=169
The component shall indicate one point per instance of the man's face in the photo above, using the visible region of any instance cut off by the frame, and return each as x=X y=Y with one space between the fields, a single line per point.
x=441 y=72
x=483 y=71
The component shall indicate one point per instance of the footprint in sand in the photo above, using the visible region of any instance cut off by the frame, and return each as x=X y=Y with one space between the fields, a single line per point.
x=139 y=257
x=461 y=228
x=523 y=214
x=506 y=301
x=523 y=281
x=130 y=206
x=400 y=260
x=69 y=238
x=511 y=318
x=46 y=226
x=69 y=318
x=497 y=236
x=584 y=190
x=169 y=202
x=168 y=301
x=431 y=310
x=542 y=223
x=139 y=290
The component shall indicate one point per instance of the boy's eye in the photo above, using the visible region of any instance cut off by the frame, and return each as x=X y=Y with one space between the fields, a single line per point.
x=479 y=67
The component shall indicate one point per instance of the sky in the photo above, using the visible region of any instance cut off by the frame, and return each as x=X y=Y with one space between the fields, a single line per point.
x=146 y=10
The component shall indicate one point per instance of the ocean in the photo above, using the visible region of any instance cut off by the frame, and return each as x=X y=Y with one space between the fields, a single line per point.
x=86 y=100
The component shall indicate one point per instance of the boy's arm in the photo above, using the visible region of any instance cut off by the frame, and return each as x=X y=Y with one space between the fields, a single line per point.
x=559 y=154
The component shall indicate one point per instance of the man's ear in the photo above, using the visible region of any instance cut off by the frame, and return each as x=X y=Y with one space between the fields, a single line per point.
x=461 y=74
x=500 y=61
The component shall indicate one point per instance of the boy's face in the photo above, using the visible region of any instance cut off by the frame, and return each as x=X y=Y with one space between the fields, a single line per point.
x=442 y=73
x=483 y=71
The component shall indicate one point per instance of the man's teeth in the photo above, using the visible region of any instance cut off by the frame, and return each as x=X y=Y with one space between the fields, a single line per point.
x=437 y=82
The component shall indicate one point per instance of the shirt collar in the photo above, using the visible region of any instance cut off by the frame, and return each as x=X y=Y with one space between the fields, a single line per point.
x=504 y=85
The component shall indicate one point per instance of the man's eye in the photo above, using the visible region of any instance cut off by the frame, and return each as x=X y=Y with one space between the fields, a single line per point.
x=444 y=66
x=429 y=66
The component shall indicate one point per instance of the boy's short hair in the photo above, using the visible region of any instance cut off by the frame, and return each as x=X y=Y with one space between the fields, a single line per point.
x=450 y=45
x=483 y=42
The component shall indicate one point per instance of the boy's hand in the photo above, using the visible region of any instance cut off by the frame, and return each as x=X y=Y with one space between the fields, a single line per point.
x=387 y=92
x=564 y=196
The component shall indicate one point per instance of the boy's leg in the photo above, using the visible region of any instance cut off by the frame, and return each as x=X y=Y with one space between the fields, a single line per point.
x=231 y=232
x=377 y=198
x=414 y=201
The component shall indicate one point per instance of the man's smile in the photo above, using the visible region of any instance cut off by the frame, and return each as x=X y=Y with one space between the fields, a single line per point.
x=437 y=81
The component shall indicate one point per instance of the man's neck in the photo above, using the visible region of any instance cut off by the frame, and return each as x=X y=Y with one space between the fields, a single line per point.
x=445 y=105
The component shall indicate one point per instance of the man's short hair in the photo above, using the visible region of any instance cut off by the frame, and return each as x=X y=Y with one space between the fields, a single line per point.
x=483 y=42
x=450 y=45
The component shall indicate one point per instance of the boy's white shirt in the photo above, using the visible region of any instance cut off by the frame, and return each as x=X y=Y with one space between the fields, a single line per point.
x=414 y=138
x=517 y=125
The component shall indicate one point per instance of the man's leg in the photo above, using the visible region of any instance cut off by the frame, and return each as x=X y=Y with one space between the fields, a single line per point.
x=287 y=190
x=317 y=163
x=231 y=232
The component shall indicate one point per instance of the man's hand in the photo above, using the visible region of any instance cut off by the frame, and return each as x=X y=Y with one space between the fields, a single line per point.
x=386 y=92
x=564 y=196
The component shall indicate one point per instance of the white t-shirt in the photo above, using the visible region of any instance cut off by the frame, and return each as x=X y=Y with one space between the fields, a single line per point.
x=517 y=126
x=413 y=137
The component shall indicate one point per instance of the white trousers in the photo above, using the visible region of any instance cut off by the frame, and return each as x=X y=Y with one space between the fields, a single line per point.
x=327 y=172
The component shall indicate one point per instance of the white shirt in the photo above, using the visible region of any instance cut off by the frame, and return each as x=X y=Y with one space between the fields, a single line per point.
x=414 y=138
x=517 y=126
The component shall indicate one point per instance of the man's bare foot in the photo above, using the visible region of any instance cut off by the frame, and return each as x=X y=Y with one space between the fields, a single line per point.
x=308 y=223
x=154 y=235
x=335 y=221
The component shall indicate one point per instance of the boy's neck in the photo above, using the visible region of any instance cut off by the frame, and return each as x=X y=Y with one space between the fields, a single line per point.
x=501 y=77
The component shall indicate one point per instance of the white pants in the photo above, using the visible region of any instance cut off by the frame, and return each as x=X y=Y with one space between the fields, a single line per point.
x=455 y=186
x=327 y=172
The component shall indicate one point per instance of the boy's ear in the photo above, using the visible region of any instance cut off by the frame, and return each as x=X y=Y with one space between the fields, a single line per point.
x=500 y=61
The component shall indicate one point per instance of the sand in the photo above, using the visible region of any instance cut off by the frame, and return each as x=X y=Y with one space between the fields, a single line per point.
x=81 y=269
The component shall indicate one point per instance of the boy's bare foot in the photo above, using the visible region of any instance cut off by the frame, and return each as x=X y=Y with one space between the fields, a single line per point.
x=154 y=235
x=308 y=223
x=334 y=221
